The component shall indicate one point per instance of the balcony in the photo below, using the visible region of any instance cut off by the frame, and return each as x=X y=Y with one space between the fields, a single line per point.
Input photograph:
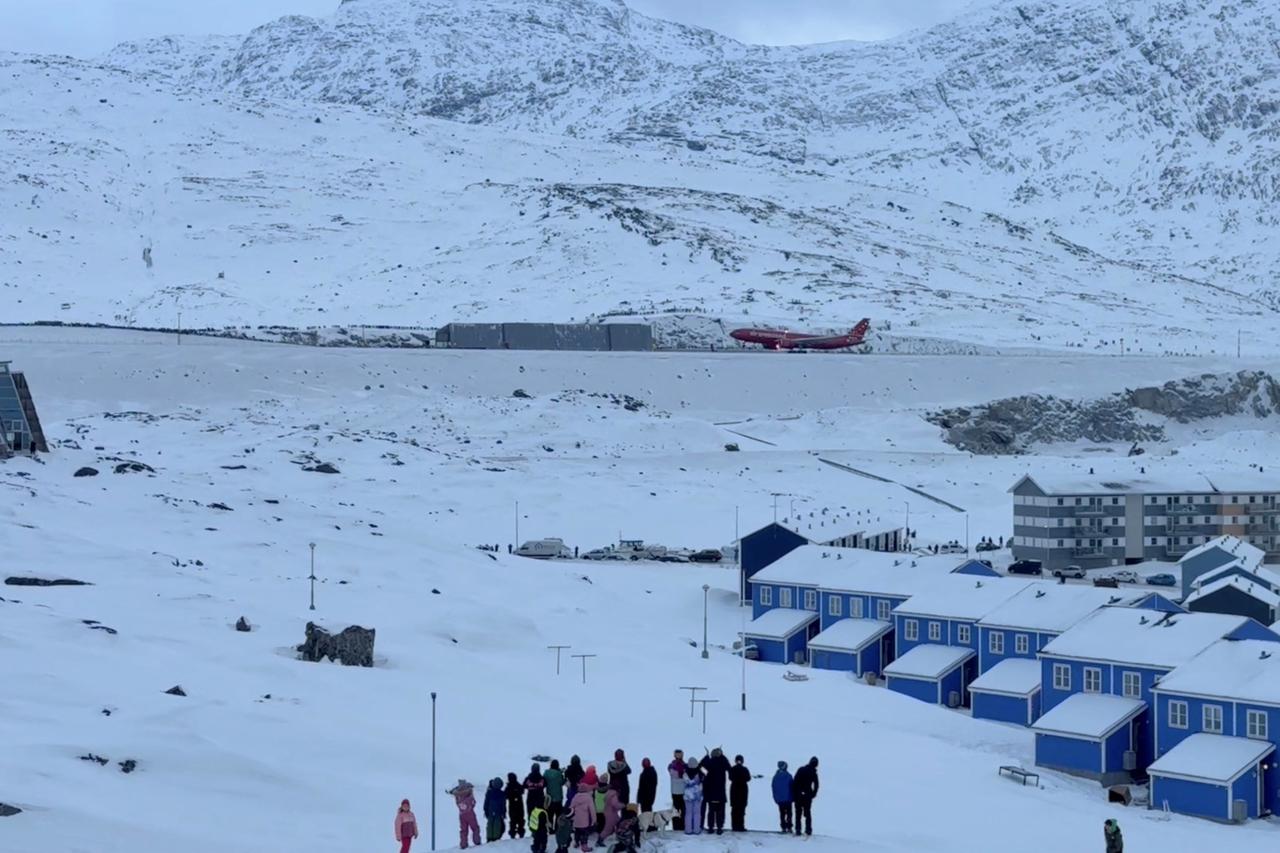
x=1182 y=509
x=1185 y=526
x=1262 y=529
x=1098 y=509
x=1088 y=551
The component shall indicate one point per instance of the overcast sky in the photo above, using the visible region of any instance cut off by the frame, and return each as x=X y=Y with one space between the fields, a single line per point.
x=88 y=27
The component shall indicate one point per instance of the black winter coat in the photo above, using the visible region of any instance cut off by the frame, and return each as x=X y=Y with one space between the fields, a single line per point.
x=717 y=769
x=805 y=784
x=573 y=775
x=647 y=788
x=515 y=800
x=739 y=779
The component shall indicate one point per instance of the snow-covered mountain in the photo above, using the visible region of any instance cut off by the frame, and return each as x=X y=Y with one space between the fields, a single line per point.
x=1082 y=171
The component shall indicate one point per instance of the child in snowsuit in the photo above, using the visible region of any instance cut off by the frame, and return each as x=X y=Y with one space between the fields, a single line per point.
x=676 y=770
x=464 y=798
x=564 y=832
x=572 y=779
x=1111 y=832
x=582 y=809
x=554 y=778
x=515 y=806
x=626 y=838
x=612 y=809
x=538 y=829
x=536 y=787
x=782 y=795
x=495 y=810
x=693 y=799
x=406 y=826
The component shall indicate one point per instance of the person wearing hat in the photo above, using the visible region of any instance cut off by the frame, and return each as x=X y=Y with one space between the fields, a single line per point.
x=676 y=771
x=647 y=789
x=804 y=790
x=693 y=798
x=1111 y=832
x=715 y=789
x=739 y=779
x=495 y=810
x=465 y=799
x=406 y=826
x=782 y=795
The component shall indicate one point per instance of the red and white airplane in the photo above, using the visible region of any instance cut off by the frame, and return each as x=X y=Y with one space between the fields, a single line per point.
x=780 y=340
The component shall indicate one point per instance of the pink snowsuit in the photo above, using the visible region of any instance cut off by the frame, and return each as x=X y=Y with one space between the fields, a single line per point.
x=465 y=798
x=582 y=808
x=406 y=829
x=612 y=812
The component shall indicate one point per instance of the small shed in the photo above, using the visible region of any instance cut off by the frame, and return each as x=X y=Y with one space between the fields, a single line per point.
x=1090 y=735
x=1207 y=774
x=851 y=645
x=781 y=635
x=937 y=674
x=1009 y=692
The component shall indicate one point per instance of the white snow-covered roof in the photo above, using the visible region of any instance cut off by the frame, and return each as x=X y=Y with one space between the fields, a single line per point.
x=1258 y=590
x=962 y=597
x=856 y=570
x=779 y=623
x=1142 y=637
x=1216 y=758
x=1089 y=715
x=1013 y=676
x=1068 y=483
x=1245 y=670
x=850 y=634
x=1249 y=555
x=1259 y=573
x=929 y=661
x=1050 y=607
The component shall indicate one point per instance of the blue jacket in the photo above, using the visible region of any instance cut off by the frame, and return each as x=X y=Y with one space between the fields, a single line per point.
x=495 y=801
x=782 y=787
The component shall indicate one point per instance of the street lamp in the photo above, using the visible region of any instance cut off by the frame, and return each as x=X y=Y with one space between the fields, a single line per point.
x=908 y=533
x=313 y=574
x=433 y=770
x=705 y=589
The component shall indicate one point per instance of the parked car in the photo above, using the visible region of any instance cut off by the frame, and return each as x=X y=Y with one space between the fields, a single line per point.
x=1026 y=567
x=1162 y=580
x=673 y=557
x=986 y=546
x=951 y=548
x=1069 y=572
x=1126 y=576
x=1107 y=581
x=707 y=555
x=545 y=549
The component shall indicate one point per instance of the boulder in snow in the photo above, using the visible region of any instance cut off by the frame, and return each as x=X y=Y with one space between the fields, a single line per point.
x=352 y=647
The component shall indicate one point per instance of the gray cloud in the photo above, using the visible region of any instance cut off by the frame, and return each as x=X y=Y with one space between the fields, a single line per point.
x=86 y=28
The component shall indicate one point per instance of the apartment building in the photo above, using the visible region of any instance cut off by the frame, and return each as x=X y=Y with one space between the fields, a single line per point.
x=1100 y=521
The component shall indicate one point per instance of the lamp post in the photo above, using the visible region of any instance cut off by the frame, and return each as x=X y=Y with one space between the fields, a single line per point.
x=433 y=770
x=742 y=612
x=966 y=533
x=313 y=574
x=705 y=589
x=517 y=524
x=908 y=534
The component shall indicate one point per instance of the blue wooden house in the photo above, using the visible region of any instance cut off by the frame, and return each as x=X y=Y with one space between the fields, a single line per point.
x=1094 y=735
x=1243 y=594
x=1155 y=601
x=859 y=646
x=762 y=548
x=1215 y=718
x=1120 y=651
x=1008 y=692
x=1216 y=554
x=782 y=634
x=1020 y=627
x=947 y=612
x=936 y=674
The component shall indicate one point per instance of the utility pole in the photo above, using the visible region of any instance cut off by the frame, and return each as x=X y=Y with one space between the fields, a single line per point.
x=558 y=650
x=1237 y=344
x=966 y=534
x=705 y=589
x=313 y=575
x=517 y=524
x=433 y=770
x=908 y=539
x=584 y=665
x=693 y=692
x=743 y=650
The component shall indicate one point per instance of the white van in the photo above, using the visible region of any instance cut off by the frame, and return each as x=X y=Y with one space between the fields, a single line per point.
x=545 y=549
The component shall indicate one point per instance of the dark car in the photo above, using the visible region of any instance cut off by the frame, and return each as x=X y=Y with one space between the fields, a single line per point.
x=1106 y=581
x=706 y=555
x=1026 y=567
x=1162 y=580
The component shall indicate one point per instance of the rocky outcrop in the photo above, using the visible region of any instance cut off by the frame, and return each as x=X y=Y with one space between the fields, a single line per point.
x=1016 y=424
x=86 y=471
x=352 y=647
x=17 y=581
x=7 y=810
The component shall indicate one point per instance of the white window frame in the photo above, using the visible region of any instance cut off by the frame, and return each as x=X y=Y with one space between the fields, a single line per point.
x=910 y=630
x=855 y=608
x=784 y=596
x=935 y=631
x=766 y=596
x=995 y=642
x=1021 y=644
x=810 y=599
x=1092 y=674
x=1178 y=714
x=1061 y=676
x=962 y=634
x=1211 y=723
x=883 y=610
x=835 y=606
x=1256 y=724
x=1125 y=679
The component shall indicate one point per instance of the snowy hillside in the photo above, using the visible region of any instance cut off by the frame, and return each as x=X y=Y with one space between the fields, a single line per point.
x=1143 y=129
x=432 y=452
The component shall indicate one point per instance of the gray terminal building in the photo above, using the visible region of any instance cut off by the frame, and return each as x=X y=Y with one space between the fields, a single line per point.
x=1101 y=521
x=600 y=337
x=20 y=430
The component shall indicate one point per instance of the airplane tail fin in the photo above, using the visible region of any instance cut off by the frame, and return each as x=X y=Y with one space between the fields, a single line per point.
x=858 y=332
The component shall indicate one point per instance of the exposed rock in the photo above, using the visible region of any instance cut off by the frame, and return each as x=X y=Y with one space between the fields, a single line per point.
x=242 y=624
x=134 y=468
x=321 y=468
x=352 y=647
x=95 y=758
x=7 y=810
x=128 y=765
x=731 y=447
x=86 y=471
x=176 y=690
x=16 y=581
x=221 y=506
x=522 y=394
x=1016 y=424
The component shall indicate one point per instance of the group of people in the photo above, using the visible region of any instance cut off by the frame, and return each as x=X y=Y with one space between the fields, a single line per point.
x=580 y=807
